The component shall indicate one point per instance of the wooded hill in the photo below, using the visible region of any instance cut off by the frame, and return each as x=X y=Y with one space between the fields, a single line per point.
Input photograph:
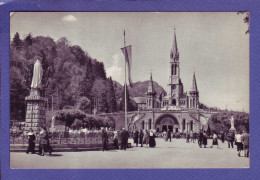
x=70 y=76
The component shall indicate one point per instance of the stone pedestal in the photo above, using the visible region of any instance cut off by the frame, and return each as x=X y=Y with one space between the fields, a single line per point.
x=35 y=112
x=232 y=129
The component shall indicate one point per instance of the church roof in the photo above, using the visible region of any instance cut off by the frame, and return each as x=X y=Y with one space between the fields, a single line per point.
x=194 y=83
x=174 y=50
x=140 y=100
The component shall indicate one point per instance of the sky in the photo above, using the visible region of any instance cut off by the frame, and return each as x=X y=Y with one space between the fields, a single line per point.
x=213 y=44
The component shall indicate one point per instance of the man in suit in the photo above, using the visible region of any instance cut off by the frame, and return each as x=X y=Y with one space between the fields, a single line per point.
x=136 y=137
x=141 y=136
x=104 y=140
x=124 y=139
x=230 y=139
x=169 y=135
x=245 y=141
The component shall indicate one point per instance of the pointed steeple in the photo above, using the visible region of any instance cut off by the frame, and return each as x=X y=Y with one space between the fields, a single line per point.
x=174 y=51
x=150 y=86
x=194 y=83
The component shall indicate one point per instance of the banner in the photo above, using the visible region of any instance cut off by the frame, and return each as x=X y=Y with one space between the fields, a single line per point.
x=127 y=52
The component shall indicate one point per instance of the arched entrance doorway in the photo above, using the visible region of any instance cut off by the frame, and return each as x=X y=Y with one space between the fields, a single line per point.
x=165 y=122
x=174 y=102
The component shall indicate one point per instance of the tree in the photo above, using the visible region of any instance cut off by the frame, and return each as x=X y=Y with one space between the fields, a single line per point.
x=17 y=41
x=99 y=90
x=221 y=121
x=28 y=40
x=84 y=104
x=130 y=104
x=87 y=83
x=111 y=96
x=69 y=115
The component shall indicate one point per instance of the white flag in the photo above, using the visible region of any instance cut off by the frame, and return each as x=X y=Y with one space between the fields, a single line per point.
x=127 y=52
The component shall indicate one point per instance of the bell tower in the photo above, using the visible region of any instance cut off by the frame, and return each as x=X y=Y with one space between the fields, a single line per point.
x=175 y=84
x=151 y=95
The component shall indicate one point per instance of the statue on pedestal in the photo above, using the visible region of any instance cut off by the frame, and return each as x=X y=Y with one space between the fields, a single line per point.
x=37 y=78
x=35 y=114
x=232 y=124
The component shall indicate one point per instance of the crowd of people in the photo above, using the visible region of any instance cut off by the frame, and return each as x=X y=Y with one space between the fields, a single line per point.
x=241 y=140
x=146 y=137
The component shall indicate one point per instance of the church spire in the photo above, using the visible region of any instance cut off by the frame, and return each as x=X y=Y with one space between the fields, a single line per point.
x=174 y=51
x=194 y=83
x=150 y=86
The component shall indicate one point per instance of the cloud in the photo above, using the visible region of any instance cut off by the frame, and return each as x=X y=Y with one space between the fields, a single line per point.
x=69 y=18
x=116 y=71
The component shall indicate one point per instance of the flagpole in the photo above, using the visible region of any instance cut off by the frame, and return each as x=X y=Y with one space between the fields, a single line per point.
x=125 y=85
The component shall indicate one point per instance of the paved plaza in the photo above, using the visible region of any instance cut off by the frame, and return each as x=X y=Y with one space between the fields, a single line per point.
x=175 y=154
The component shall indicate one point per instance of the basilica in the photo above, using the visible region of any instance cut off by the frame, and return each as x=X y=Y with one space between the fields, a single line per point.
x=177 y=111
x=176 y=98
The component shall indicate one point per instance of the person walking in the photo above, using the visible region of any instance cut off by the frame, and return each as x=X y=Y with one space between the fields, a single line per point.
x=222 y=137
x=146 y=138
x=239 y=143
x=230 y=139
x=141 y=136
x=152 y=142
x=115 y=140
x=191 y=136
x=169 y=135
x=43 y=141
x=124 y=139
x=104 y=140
x=136 y=136
x=200 y=138
x=164 y=136
x=187 y=137
x=214 y=140
x=245 y=141
x=205 y=139
x=31 y=141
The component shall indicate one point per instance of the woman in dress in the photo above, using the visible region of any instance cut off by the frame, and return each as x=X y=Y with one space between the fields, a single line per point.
x=136 y=135
x=215 y=140
x=164 y=135
x=200 y=138
x=31 y=141
x=239 y=143
x=141 y=136
x=205 y=139
x=146 y=138
x=115 y=140
x=152 y=142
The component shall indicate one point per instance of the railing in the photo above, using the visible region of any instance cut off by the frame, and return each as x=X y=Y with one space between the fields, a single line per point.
x=66 y=138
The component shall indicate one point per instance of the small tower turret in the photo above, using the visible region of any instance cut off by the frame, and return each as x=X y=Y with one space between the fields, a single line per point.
x=194 y=94
x=151 y=94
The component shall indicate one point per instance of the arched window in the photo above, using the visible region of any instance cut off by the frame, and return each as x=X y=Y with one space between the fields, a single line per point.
x=150 y=124
x=142 y=124
x=194 y=102
x=174 y=102
x=183 y=124
x=190 y=102
x=175 y=71
x=191 y=125
x=150 y=102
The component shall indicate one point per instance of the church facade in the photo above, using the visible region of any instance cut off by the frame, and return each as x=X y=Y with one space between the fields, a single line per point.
x=177 y=111
x=176 y=98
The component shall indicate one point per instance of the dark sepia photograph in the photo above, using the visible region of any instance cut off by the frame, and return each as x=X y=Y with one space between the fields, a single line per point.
x=129 y=90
